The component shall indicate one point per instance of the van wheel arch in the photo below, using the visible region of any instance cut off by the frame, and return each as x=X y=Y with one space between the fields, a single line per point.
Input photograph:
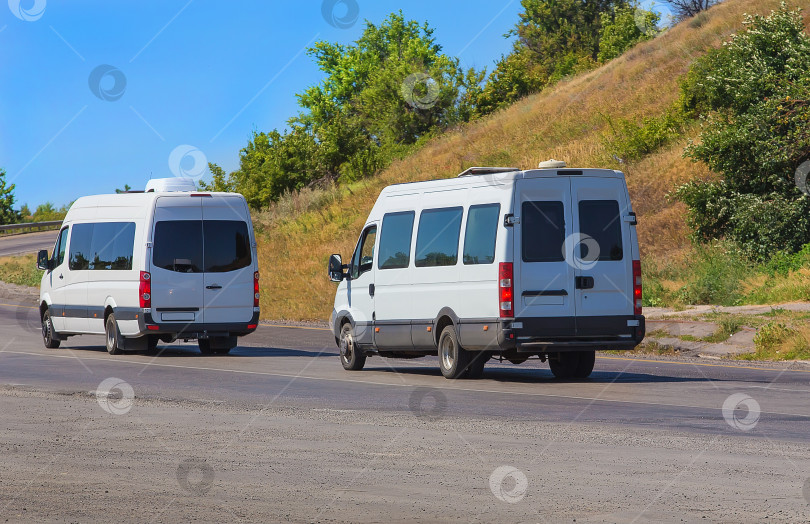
x=446 y=317
x=43 y=307
x=342 y=321
x=107 y=312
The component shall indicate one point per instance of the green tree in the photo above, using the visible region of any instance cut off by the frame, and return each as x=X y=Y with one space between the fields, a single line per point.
x=7 y=213
x=126 y=188
x=555 y=38
x=755 y=93
x=25 y=213
x=220 y=181
x=381 y=95
x=622 y=29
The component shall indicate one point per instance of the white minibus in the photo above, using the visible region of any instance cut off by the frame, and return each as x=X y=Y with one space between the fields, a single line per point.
x=158 y=265
x=496 y=263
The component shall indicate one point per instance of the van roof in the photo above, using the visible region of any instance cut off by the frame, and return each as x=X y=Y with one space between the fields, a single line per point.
x=474 y=175
x=139 y=204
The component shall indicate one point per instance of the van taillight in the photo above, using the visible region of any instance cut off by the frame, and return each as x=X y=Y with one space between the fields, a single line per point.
x=636 y=287
x=256 y=289
x=505 y=290
x=145 y=290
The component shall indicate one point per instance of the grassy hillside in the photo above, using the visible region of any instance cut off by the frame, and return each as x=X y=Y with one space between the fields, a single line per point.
x=572 y=121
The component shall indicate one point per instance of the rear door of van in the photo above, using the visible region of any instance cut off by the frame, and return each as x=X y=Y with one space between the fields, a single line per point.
x=544 y=294
x=177 y=260
x=603 y=256
x=229 y=259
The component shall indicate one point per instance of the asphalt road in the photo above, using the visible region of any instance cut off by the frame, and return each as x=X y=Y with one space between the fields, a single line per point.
x=278 y=431
x=27 y=243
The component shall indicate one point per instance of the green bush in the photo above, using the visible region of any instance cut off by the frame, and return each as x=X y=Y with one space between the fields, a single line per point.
x=771 y=335
x=631 y=141
x=716 y=274
x=754 y=95
x=783 y=263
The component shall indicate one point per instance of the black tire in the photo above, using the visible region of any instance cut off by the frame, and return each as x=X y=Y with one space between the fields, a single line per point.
x=216 y=345
x=205 y=346
x=572 y=364
x=454 y=361
x=476 y=368
x=351 y=358
x=112 y=336
x=587 y=359
x=151 y=344
x=49 y=336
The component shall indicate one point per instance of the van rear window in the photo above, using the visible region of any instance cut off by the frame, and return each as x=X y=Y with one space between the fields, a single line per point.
x=227 y=245
x=194 y=246
x=600 y=220
x=542 y=231
x=178 y=246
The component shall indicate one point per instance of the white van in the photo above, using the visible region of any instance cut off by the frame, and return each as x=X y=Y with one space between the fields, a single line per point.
x=497 y=262
x=143 y=267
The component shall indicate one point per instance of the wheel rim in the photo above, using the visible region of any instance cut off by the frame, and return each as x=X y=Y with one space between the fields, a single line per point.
x=46 y=328
x=346 y=346
x=110 y=337
x=447 y=353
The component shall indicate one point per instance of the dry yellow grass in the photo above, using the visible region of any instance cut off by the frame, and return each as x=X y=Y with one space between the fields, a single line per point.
x=569 y=121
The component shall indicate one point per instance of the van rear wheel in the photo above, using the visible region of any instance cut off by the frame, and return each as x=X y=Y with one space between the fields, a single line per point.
x=216 y=345
x=572 y=364
x=151 y=345
x=351 y=357
x=113 y=336
x=455 y=361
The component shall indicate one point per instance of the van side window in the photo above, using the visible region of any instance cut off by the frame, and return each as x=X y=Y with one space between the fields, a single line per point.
x=363 y=257
x=79 y=255
x=61 y=246
x=600 y=220
x=479 y=237
x=437 y=238
x=395 y=240
x=112 y=245
x=178 y=246
x=542 y=231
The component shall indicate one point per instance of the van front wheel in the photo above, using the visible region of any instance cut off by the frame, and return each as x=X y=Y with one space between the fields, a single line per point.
x=351 y=357
x=48 y=336
x=454 y=360
x=572 y=364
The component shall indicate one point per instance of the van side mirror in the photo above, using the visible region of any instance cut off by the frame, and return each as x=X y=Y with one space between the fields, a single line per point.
x=43 y=262
x=336 y=269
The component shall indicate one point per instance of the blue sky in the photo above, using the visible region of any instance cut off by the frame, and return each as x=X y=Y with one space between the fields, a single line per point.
x=193 y=78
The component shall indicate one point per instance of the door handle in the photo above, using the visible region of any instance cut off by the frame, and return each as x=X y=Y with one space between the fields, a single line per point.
x=583 y=282
x=213 y=286
x=371 y=290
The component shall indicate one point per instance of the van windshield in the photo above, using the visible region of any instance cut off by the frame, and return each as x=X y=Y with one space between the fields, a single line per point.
x=196 y=246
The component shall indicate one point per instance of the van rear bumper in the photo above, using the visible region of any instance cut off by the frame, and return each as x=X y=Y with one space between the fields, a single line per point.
x=551 y=334
x=195 y=329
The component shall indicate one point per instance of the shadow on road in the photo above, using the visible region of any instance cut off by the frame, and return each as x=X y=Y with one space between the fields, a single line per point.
x=541 y=374
x=192 y=351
